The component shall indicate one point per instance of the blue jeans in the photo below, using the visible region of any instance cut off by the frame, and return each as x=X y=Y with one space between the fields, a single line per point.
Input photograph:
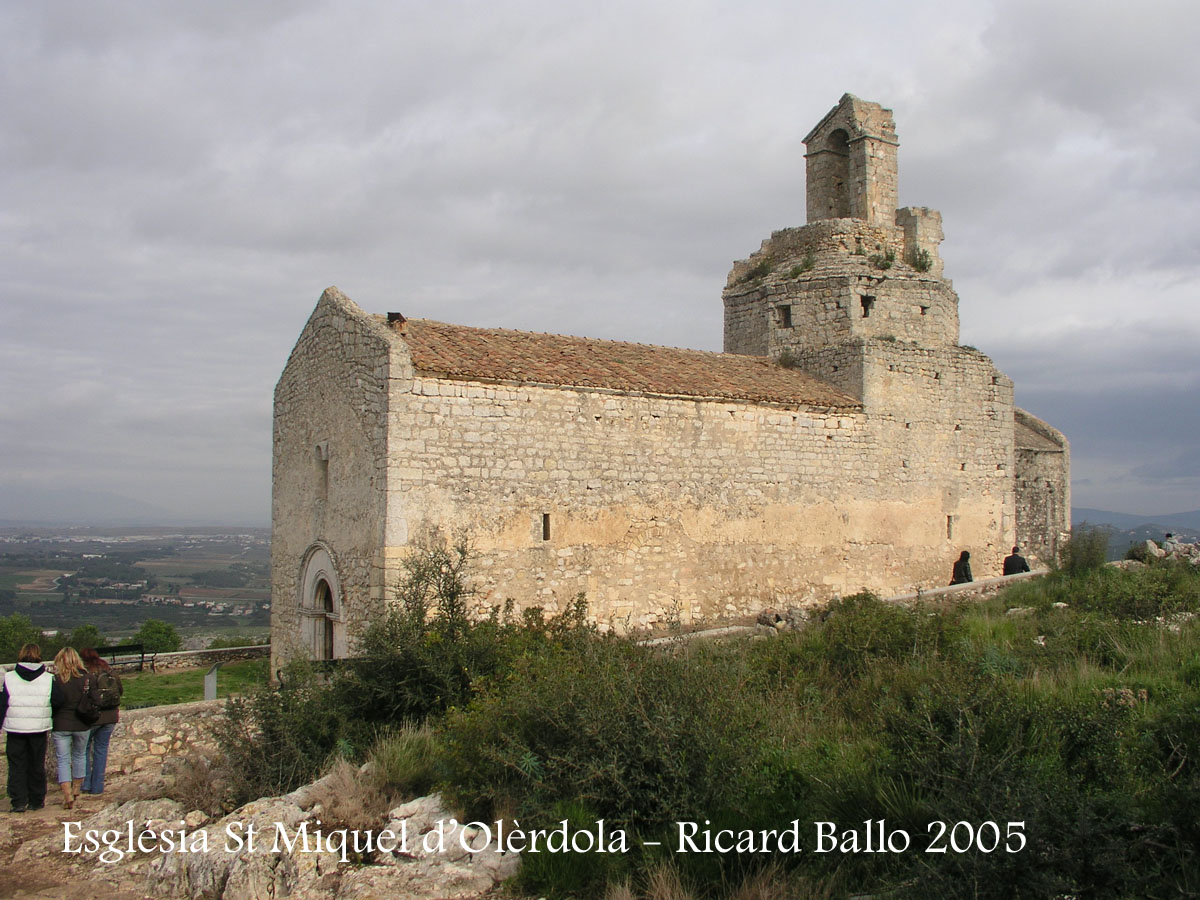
x=97 y=758
x=70 y=749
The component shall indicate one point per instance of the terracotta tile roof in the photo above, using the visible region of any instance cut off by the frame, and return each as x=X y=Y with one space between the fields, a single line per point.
x=495 y=354
x=1025 y=438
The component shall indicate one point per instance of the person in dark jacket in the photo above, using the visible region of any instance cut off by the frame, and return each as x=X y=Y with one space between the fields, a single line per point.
x=25 y=712
x=962 y=569
x=101 y=733
x=1016 y=563
x=70 y=732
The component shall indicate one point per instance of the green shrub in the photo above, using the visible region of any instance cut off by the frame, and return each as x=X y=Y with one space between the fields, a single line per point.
x=1138 y=552
x=1086 y=549
x=920 y=259
x=422 y=654
x=806 y=265
x=406 y=761
x=158 y=636
x=641 y=737
x=758 y=271
x=861 y=627
x=275 y=740
x=884 y=260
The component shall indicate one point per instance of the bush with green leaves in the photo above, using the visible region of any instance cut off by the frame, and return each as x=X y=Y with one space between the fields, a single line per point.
x=276 y=739
x=1086 y=549
x=417 y=659
x=1080 y=721
x=639 y=736
x=15 y=632
x=158 y=637
x=920 y=259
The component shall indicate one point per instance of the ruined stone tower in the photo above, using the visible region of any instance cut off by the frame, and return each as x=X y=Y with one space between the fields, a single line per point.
x=857 y=298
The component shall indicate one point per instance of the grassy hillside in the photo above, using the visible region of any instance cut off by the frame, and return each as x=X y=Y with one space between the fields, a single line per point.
x=159 y=689
x=1045 y=743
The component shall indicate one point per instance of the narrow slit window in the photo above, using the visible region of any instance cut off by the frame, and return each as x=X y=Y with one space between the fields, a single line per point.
x=323 y=470
x=949 y=528
x=545 y=526
x=868 y=304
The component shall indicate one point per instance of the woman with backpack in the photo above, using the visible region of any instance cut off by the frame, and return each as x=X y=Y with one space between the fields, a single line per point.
x=106 y=689
x=70 y=731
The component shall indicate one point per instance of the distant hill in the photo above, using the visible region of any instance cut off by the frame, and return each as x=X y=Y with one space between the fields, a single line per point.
x=1184 y=521
x=1129 y=529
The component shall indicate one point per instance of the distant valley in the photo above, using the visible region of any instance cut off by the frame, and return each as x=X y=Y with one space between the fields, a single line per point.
x=1129 y=529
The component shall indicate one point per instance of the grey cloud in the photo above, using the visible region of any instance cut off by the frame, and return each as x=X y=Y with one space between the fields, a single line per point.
x=181 y=182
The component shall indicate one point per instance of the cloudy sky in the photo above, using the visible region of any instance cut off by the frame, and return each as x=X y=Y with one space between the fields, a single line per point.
x=179 y=182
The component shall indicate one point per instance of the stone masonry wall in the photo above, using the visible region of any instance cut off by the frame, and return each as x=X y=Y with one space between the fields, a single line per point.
x=192 y=659
x=145 y=739
x=660 y=507
x=817 y=285
x=1043 y=488
x=332 y=395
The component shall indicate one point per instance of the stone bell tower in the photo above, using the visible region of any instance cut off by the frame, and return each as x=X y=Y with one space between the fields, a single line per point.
x=861 y=280
x=851 y=164
x=857 y=298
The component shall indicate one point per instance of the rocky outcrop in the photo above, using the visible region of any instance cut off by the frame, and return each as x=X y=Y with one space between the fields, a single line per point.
x=279 y=846
x=1172 y=549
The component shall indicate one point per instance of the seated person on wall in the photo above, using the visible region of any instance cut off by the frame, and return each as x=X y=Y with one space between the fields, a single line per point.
x=962 y=569
x=1016 y=563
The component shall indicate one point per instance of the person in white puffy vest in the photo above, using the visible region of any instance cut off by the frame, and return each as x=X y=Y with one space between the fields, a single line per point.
x=25 y=711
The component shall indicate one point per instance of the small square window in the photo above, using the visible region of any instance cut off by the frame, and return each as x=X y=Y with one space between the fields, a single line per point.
x=785 y=316
x=868 y=303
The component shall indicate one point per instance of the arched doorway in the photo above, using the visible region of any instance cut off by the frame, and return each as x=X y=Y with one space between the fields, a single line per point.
x=322 y=618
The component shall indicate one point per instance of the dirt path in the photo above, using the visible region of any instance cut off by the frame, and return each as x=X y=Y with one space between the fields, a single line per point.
x=60 y=876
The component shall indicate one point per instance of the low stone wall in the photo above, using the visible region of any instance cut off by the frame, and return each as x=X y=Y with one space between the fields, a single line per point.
x=183 y=659
x=194 y=659
x=145 y=738
x=974 y=590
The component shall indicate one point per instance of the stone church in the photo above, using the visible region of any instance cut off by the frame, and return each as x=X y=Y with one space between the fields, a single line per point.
x=843 y=440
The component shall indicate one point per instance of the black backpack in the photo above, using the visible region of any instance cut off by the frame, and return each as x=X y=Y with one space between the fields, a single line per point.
x=106 y=692
x=87 y=711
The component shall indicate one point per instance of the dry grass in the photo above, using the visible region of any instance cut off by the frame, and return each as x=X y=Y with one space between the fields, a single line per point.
x=352 y=798
x=200 y=784
x=663 y=883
